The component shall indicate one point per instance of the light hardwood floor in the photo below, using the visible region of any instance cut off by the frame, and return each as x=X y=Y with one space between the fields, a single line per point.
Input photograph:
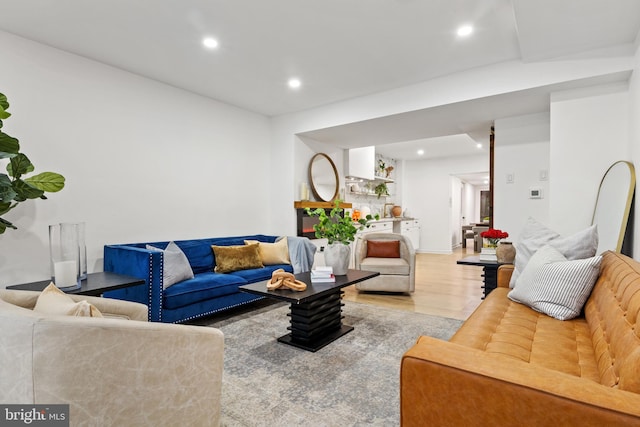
x=443 y=288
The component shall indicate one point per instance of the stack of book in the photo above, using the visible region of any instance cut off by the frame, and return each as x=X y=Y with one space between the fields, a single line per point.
x=488 y=254
x=322 y=274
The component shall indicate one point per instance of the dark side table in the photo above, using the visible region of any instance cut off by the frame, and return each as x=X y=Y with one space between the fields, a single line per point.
x=490 y=271
x=94 y=285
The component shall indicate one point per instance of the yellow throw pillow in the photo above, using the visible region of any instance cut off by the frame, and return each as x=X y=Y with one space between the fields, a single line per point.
x=272 y=253
x=234 y=258
x=53 y=301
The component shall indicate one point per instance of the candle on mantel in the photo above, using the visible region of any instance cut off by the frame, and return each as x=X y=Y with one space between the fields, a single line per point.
x=65 y=273
x=304 y=191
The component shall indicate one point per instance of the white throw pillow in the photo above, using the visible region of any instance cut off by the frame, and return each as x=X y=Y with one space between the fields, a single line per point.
x=545 y=255
x=176 y=267
x=535 y=235
x=53 y=301
x=555 y=286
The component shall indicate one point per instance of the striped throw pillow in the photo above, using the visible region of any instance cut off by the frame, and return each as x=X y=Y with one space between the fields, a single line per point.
x=555 y=286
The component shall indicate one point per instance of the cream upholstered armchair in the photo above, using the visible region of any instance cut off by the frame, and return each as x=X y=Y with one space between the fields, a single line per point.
x=117 y=370
x=390 y=254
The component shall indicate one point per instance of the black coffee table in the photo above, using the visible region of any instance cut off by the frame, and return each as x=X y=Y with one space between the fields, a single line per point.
x=94 y=285
x=316 y=313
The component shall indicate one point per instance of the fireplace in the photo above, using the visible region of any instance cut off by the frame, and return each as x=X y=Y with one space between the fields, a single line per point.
x=305 y=222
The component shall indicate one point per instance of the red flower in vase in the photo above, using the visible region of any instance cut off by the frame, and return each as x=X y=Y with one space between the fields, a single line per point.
x=494 y=236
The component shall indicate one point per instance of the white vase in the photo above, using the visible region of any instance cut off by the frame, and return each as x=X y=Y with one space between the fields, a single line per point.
x=336 y=256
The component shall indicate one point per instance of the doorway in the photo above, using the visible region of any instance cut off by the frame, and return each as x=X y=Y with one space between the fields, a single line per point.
x=485 y=206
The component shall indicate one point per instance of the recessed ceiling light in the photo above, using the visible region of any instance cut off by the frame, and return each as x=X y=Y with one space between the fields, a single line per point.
x=294 y=83
x=210 y=42
x=465 y=30
x=479 y=145
x=420 y=152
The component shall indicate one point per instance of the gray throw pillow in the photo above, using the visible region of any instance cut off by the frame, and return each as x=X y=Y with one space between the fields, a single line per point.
x=176 y=267
x=535 y=235
x=555 y=286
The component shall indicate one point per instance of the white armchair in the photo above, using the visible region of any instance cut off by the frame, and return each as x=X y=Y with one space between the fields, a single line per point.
x=397 y=273
x=111 y=371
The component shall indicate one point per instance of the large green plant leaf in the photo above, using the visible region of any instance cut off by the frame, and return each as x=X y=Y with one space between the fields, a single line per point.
x=4 y=224
x=9 y=146
x=4 y=106
x=6 y=207
x=26 y=191
x=50 y=182
x=20 y=165
x=7 y=193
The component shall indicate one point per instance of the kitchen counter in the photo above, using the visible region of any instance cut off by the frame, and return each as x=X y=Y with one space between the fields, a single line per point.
x=407 y=226
x=395 y=219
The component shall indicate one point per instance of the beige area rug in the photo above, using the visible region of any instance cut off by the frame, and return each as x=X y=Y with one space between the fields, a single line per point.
x=354 y=381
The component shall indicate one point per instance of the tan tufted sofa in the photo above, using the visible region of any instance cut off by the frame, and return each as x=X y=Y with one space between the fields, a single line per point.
x=509 y=365
x=115 y=371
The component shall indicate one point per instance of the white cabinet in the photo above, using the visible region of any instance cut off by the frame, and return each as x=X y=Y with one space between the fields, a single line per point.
x=411 y=229
x=361 y=162
x=377 y=227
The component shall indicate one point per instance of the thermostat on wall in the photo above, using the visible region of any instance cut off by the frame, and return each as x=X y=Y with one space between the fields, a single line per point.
x=535 y=193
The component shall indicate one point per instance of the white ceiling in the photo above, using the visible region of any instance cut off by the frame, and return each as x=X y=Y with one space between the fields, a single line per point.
x=339 y=49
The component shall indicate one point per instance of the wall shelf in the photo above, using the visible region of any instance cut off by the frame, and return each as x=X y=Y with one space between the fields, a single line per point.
x=303 y=204
x=383 y=179
x=351 y=179
x=365 y=193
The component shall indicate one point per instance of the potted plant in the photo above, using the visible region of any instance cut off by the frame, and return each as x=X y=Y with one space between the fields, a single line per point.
x=493 y=236
x=381 y=189
x=339 y=231
x=14 y=187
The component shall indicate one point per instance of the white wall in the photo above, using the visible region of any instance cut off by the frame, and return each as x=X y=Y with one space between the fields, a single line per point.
x=470 y=209
x=512 y=204
x=589 y=132
x=585 y=132
x=427 y=190
x=456 y=210
x=143 y=161
x=522 y=154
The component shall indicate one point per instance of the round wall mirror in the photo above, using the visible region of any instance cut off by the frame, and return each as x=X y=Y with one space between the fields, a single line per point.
x=323 y=177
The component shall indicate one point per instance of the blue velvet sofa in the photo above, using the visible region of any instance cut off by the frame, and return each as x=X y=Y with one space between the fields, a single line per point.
x=207 y=293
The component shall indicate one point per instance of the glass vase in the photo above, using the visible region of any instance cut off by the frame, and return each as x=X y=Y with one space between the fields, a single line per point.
x=64 y=252
x=82 y=250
